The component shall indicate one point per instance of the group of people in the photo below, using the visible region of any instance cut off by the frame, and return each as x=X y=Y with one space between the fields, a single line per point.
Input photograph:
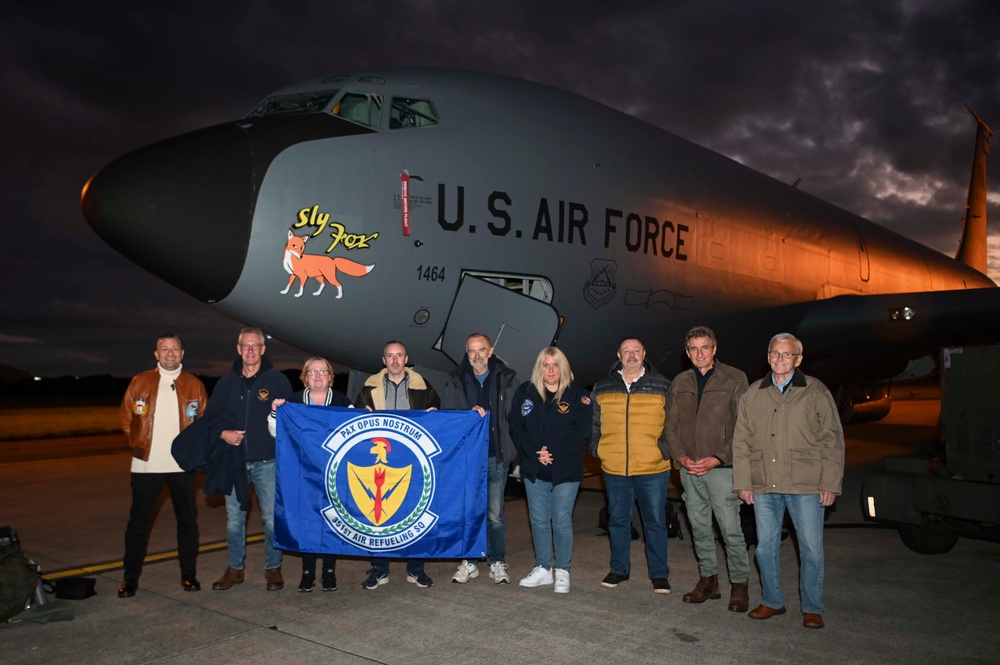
x=776 y=445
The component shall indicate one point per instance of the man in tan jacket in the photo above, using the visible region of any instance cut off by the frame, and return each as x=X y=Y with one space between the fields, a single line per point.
x=788 y=453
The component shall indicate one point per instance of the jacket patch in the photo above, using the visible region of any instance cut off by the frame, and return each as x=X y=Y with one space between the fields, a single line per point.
x=262 y=394
x=585 y=400
x=191 y=411
x=527 y=407
x=139 y=407
x=563 y=407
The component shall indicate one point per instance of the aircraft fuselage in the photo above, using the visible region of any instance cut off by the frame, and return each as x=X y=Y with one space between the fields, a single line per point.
x=622 y=228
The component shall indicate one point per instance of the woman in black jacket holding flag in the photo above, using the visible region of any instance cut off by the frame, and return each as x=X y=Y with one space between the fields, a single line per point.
x=317 y=377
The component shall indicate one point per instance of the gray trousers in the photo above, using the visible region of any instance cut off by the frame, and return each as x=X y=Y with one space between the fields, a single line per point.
x=713 y=494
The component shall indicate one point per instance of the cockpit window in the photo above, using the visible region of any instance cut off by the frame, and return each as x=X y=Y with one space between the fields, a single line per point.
x=299 y=102
x=363 y=108
x=408 y=113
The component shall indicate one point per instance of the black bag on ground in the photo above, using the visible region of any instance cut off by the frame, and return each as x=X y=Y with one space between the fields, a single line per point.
x=74 y=588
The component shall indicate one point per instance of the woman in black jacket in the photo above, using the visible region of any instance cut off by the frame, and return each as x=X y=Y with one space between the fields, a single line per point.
x=550 y=422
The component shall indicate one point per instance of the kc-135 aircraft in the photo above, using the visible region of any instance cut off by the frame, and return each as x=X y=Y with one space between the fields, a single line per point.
x=422 y=205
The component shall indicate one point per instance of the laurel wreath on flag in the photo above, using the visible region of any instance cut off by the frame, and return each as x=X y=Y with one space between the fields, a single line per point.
x=425 y=498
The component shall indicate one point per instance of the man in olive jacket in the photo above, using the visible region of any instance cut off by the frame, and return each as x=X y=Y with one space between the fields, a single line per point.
x=701 y=415
x=788 y=453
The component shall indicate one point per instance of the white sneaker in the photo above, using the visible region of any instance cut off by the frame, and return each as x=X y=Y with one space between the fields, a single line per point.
x=562 y=581
x=539 y=576
x=498 y=572
x=466 y=571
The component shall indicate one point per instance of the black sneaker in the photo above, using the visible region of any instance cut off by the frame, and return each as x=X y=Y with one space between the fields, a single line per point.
x=329 y=580
x=308 y=582
x=375 y=579
x=419 y=578
x=661 y=585
x=613 y=579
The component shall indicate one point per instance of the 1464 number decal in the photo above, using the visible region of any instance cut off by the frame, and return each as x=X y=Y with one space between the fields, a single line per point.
x=430 y=273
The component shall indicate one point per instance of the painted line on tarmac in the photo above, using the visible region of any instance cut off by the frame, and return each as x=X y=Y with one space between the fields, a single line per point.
x=152 y=558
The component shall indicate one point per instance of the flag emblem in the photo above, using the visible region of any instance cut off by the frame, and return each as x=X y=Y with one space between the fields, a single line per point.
x=380 y=481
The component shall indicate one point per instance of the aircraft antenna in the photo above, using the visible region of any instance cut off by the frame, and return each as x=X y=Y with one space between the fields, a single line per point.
x=496 y=342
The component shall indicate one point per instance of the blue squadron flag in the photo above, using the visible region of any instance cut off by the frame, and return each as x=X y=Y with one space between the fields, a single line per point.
x=408 y=484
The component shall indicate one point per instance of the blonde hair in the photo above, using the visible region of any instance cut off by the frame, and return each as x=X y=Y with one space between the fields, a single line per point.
x=305 y=368
x=565 y=373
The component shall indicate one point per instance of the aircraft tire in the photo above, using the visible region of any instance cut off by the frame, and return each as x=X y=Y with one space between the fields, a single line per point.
x=927 y=538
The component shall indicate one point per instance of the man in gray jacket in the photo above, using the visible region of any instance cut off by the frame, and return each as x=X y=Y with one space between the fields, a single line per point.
x=483 y=382
x=701 y=416
x=788 y=453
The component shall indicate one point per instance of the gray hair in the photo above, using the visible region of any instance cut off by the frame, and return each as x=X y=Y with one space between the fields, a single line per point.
x=787 y=337
x=700 y=331
x=252 y=331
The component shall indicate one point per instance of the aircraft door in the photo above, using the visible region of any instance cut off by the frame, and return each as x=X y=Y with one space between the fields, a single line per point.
x=520 y=326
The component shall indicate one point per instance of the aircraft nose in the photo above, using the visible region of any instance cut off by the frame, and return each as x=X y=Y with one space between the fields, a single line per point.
x=182 y=208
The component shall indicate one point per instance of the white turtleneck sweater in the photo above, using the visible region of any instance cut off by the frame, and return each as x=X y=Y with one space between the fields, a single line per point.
x=166 y=426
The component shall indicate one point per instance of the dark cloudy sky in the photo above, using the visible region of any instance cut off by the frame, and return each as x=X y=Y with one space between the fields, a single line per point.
x=863 y=99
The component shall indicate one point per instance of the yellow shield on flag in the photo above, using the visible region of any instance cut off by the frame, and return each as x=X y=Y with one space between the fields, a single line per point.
x=378 y=490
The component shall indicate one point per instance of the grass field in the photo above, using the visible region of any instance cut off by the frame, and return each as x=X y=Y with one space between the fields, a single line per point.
x=41 y=423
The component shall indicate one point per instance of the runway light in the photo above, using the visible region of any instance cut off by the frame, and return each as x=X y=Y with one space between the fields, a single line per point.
x=901 y=314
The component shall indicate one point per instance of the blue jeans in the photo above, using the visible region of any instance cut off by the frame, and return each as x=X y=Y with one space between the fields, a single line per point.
x=496 y=485
x=262 y=475
x=550 y=508
x=650 y=492
x=807 y=517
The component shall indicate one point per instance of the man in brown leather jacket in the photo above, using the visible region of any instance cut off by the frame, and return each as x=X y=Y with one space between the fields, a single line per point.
x=701 y=416
x=178 y=398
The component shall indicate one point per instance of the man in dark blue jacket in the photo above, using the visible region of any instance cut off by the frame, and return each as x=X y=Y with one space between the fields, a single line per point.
x=241 y=403
x=484 y=383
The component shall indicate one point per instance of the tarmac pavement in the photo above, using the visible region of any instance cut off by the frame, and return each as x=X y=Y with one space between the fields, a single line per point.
x=885 y=604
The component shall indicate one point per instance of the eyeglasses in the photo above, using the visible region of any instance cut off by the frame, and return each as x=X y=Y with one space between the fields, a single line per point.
x=251 y=347
x=784 y=355
x=318 y=372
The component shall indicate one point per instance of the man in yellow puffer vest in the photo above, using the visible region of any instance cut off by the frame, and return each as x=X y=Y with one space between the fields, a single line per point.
x=630 y=407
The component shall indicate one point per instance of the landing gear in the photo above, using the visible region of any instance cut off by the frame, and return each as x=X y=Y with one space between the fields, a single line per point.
x=928 y=537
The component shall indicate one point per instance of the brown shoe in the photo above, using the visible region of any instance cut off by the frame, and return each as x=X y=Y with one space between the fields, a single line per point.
x=706 y=589
x=274 y=579
x=232 y=576
x=739 y=599
x=765 y=612
x=812 y=620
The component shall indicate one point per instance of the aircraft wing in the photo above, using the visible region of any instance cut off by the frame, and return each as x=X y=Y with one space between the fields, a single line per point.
x=854 y=339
